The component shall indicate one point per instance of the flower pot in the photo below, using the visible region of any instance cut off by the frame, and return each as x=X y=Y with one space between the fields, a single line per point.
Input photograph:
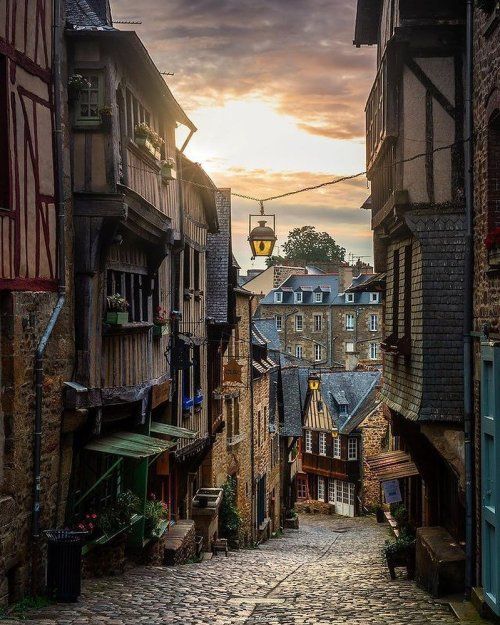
x=168 y=172
x=144 y=142
x=116 y=318
x=160 y=329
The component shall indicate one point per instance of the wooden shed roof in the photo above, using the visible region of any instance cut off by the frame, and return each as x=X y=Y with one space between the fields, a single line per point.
x=391 y=465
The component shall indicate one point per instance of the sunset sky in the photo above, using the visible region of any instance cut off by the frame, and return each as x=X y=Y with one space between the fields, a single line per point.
x=277 y=92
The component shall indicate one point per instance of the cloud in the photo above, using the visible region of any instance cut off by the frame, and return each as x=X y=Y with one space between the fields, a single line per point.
x=299 y=53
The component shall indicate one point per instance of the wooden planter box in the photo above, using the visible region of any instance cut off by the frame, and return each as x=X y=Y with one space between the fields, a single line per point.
x=168 y=173
x=404 y=558
x=116 y=318
x=160 y=330
x=146 y=144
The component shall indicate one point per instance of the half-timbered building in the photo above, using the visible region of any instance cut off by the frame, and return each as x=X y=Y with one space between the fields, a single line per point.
x=139 y=277
x=35 y=308
x=331 y=451
x=415 y=163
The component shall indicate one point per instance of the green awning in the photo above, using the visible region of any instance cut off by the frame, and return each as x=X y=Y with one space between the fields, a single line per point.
x=171 y=430
x=129 y=444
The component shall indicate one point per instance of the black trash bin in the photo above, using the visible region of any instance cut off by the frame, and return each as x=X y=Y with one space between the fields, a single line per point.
x=64 y=564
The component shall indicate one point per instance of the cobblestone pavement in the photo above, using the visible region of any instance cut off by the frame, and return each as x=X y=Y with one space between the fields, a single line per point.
x=330 y=572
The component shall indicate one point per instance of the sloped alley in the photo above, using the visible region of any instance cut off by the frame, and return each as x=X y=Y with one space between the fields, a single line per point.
x=330 y=572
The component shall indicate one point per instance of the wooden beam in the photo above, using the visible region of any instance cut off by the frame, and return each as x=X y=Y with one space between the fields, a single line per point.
x=430 y=86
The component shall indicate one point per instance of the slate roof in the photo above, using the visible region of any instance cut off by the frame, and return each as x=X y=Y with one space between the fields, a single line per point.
x=89 y=14
x=294 y=384
x=354 y=388
x=219 y=255
x=328 y=284
x=267 y=329
x=372 y=282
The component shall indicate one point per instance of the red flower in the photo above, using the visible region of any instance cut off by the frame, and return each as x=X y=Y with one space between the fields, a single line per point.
x=492 y=239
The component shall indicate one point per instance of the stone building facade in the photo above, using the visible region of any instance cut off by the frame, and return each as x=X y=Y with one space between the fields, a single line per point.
x=35 y=273
x=323 y=325
x=375 y=439
x=486 y=311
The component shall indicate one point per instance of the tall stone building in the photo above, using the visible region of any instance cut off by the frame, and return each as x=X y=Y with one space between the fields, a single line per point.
x=486 y=325
x=414 y=153
x=36 y=323
x=321 y=324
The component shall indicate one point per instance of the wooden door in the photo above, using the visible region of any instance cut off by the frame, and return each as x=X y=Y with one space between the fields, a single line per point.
x=490 y=474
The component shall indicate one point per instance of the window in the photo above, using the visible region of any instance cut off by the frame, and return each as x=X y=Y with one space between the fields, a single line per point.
x=90 y=99
x=373 y=351
x=321 y=488
x=349 y=348
x=196 y=269
x=322 y=444
x=352 y=449
x=318 y=352
x=299 y=323
x=318 y=322
x=301 y=489
x=343 y=409
x=349 y=322
x=336 y=447
x=349 y=298
x=4 y=137
x=279 y=322
x=374 y=298
x=297 y=297
x=298 y=351
x=187 y=267
x=136 y=289
x=373 y=323
x=331 y=490
x=318 y=297
x=308 y=441
x=278 y=297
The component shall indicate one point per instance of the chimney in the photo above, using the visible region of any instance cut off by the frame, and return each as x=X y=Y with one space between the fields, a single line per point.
x=345 y=277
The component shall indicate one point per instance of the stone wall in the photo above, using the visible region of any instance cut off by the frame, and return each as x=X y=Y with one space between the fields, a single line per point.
x=362 y=336
x=23 y=318
x=486 y=281
x=374 y=440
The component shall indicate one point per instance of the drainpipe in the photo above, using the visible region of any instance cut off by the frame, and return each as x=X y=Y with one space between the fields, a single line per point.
x=468 y=303
x=61 y=254
x=252 y=429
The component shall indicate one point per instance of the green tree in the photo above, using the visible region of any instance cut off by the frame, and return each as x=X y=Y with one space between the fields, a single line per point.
x=307 y=245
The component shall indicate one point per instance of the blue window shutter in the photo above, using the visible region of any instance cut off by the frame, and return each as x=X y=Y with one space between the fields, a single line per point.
x=490 y=474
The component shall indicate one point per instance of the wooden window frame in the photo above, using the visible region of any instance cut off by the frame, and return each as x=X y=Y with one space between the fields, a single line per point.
x=318 y=326
x=322 y=444
x=348 y=326
x=336 y=448
x=297 y=318
x=373 y=348
x=79 y=120
x=373 y=326
x=321 y=480
x=318 y=349
x=298 y=297
x=308 y=441
x=352 y=448
x=318 y=298
x=299 y=348
x=279 y=322
x=278 y=297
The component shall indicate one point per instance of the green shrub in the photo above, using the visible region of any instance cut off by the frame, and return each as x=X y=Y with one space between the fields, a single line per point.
x=229 y=515
x=401 y=545
x=154 y=512
x=117 y=515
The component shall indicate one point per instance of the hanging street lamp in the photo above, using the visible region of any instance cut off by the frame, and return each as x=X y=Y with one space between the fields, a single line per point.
x=314 y=381
x=262 y=237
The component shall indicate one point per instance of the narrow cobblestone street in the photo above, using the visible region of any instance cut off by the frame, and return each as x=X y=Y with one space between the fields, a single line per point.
x=329 y=572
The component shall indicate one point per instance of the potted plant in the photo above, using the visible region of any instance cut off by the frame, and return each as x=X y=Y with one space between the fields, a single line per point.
x=76 y=83
x=168 y=170
x=116 y=309
x=118 y=515
x=155 y=512
x=106 y=115
x=401 y=552
x=146 y=138
x=160 y=321
x=492 y=243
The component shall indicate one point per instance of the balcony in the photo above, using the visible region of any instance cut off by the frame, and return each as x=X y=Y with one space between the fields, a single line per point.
x=381 y=123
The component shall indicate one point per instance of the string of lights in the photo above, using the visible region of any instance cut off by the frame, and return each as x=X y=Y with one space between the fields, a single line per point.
x=327 y=183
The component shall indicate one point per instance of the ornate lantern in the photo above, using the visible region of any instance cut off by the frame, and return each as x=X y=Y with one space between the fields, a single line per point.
x=262 y=237
x=314 y=381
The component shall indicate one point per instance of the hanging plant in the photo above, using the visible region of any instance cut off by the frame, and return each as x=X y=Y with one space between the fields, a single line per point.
x=76 y=84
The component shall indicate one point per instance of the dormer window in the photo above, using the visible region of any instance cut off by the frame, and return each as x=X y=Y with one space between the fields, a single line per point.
x=318 y=297
x=349 y=298
x=344 y=410
x=297 y=297
x=278 y=297
x=374 y=298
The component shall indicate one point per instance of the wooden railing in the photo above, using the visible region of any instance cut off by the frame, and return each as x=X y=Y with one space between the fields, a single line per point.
x=334 y=467
x=127 y=356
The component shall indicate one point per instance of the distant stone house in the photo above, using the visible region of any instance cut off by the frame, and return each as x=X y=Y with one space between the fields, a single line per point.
x=323 y=326
x=335 y=429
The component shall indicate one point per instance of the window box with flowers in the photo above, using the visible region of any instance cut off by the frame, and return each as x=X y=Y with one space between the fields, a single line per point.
x=149 y=140
x=76 y=84
x=117 y=310
x=161 y=325
x=168 y=170
x=492 y=243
